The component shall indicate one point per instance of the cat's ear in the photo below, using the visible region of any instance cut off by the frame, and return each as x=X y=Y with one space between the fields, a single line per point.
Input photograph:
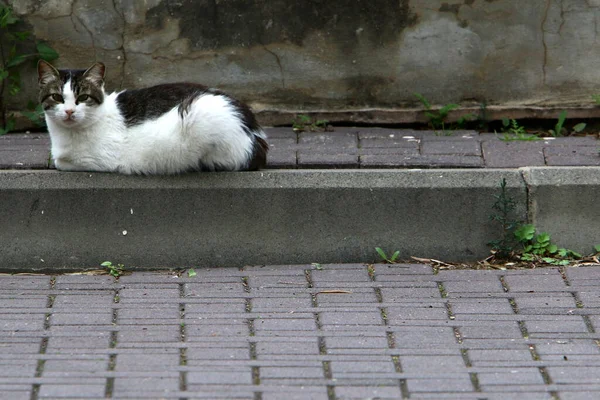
x=46 y=73
x=95 y=73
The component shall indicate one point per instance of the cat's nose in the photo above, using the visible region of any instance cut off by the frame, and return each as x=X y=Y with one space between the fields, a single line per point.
x=69 y=113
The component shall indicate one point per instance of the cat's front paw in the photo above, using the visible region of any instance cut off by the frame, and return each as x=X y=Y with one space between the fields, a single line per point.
x=64 y=165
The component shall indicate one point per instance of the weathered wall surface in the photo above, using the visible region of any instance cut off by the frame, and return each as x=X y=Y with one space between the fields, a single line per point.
x=337 y=54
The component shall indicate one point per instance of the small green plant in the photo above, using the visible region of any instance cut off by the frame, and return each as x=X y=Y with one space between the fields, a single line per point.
x=504 y=208
x=304 y=123
x=114 y=270
x=11 y=56
x=514 y=131
x=384 y=257
x=560 y=130
x=437 y=118
x=596 y=98
x=539 y=247
x=191 y=273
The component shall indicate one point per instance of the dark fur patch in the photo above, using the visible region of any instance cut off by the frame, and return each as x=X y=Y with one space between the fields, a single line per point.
x=79 y=85
x=140 y=105
x=259 y=154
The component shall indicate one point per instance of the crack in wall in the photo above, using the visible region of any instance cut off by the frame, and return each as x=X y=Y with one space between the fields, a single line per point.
x=121 y=14
x=84 y=27
x=544 y=44
x=278 y=63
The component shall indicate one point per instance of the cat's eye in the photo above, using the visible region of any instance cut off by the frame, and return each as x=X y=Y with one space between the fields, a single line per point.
x=57 y=97
x=83 y=97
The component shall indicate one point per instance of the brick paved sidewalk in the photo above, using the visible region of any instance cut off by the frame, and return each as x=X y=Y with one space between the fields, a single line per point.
x=370 y=148
x=303 y=332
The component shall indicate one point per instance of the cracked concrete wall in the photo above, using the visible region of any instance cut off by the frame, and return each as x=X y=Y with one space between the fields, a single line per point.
x=339 y=54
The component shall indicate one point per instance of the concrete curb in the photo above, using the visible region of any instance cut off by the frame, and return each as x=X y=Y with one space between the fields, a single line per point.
x=53 y=220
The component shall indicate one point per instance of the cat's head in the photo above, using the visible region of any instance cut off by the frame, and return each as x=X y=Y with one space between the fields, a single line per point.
x=71 y=98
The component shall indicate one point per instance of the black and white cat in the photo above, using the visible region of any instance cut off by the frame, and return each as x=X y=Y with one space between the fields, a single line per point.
x=164 y=129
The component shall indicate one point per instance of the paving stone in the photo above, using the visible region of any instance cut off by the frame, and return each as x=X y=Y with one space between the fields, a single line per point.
x=384 y=133
x=423 y=161
x=481 y=306
x=134 y=386
x=150 y=361
x=555 y=300
x=549 y=282
x=391 y=295
x=499 y=355
x=287 y=324
x=561 y=324
x=24 y=158
x=370 y=367
x=288 y=303
x=572 y=374
x=511 y=376
x=350 y=318
x=312 y=159
x=457 y=384
x=467 y=147
x=291 y=348
x=431 y=366
x=292 y=372
x=399 y=315
x=368 y=392
x=71 y=391
x=66 y=318
x=356 y=342
x=282 y=159
x=456 y=288
x=498 y=154
x=332 y=139
x=492 y=330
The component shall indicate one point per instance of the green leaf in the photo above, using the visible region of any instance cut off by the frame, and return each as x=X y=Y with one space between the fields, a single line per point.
x=543 y=238
x=505 y=122
x=549 y=260
x=597 y=248
x=18 y=60
x=395 y=255
x=562 y=252
x=46 y=52
x=552 y=249
x=575 y=254
x=424 y=101
x=525 y=232
x=579 y=127
x=191 y=273
x=381 y=253
x=527 y=257
x=106 y=264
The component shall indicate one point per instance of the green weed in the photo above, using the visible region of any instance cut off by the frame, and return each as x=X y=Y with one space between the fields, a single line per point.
x=513 y=131
x=114 y=270
x=560 y=130
x=504 y=208
x=304 y=123
x=12 y=55
x=384 y=257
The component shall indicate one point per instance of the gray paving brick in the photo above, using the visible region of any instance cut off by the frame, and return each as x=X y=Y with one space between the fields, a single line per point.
x=506 y=329
x=350 y=318
x=99 y=365
x=151 y=361
x=312 y=159
x=357 y=342
x=80 y=391
x=399 y=315
x=423 y=336
x=560 y=324
x=287 y=348
x=66 y=318
x=433 y=365
x=499 y=154
x=467 y=147
x=570 y=375
x=284 y=324
x=284 y=159
x=314 y=372
x=500 y=355
x=325 y=299
x=368 y=392
x=455 y=288
x=550 y=282
x=134 y=386
x=456 y=384
x=423 y=161
x=555 y=300
x=24 y=158
x=481 y=306
x=333 y=139
x=224 y=353
x=391 y=295
x=384 y=133
x=363 y=367
x=197 y=332
x=511 y=376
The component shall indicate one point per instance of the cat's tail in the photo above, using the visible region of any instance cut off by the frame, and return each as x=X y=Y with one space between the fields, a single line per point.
x=260 y=148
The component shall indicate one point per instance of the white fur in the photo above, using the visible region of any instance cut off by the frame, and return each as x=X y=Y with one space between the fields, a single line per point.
x=97 y=138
